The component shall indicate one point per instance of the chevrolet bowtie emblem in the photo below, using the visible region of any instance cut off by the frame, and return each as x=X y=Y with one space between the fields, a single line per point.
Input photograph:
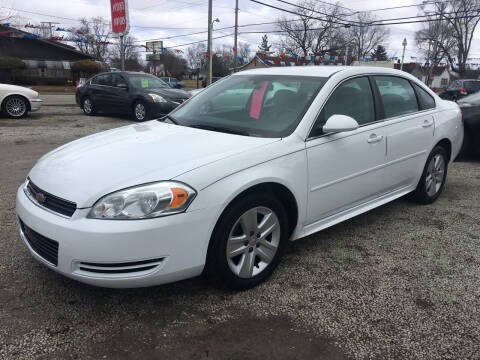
x=40 y=198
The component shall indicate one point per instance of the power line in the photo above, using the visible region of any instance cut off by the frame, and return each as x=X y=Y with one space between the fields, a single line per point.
x=312 y=10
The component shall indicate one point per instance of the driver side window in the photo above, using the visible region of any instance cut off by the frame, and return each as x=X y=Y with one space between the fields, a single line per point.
x=353 y=98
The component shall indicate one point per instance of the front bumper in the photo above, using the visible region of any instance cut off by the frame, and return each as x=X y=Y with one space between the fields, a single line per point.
x=175 y=246
x=35 y=104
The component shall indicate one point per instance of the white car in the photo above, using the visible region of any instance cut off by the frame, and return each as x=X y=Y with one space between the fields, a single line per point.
x=223 y=182
x=17 y=101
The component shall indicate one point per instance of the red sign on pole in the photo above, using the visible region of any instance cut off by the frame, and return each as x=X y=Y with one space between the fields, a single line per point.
x=120 y=21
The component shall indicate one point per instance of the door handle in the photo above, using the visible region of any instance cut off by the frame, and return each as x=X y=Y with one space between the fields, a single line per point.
x=374 y=138
x=427 y=123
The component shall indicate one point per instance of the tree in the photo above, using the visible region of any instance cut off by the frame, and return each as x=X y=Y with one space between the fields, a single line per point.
x=196 y=56
x=366 y=35
x=264 y=46
x=461 y=17
x=94 y=36
x=379 y=54
x=435 y=41
x=132 y=57
x=220 y=67
x=174 y=65
x=316 y=30
x=86 y=66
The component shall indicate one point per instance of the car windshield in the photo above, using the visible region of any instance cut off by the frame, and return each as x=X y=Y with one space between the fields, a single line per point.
x=141 y=81
x=253 y=105
x=473 y=99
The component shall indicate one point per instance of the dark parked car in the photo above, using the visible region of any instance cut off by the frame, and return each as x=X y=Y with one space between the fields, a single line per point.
x=143 y=95
x=460 y=88
x=470 y=106
x=173 y=82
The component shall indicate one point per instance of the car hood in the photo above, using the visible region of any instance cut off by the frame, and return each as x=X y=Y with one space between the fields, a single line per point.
x=86 y=169
x=171 y=93
x=18 y=89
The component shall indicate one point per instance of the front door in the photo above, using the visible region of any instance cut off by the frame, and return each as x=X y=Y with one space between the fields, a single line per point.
x=346 y=169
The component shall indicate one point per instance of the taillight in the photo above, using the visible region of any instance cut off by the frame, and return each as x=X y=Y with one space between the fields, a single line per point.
x=463 y=91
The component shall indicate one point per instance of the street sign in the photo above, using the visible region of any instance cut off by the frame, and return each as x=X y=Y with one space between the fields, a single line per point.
x=120 y=20
x=154 y=46
x=153 y=57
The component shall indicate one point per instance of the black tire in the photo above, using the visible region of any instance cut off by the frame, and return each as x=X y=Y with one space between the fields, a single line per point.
x=15 y=106
x=217 y=259
x=135 y=113
x=88 y=107
x=423 y=193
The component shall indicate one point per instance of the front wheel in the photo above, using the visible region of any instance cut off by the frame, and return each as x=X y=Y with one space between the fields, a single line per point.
x=87 y=106
x=15 y=106
x=433 y=178
x=140 y=111
x=249 y=240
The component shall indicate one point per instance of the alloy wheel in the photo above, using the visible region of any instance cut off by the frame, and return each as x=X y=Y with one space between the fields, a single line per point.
x=253 y=242
x=87 y=106
x=140 y=111
x=16 y=107
x=435 y=175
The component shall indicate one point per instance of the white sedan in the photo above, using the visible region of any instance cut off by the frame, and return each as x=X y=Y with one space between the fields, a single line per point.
x=17 y=101
x=228 y=178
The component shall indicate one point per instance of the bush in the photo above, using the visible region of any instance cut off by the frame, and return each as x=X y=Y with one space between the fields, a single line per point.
x=11 y=63
x=86 y=66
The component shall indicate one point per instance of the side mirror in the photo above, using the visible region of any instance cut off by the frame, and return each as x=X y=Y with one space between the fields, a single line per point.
x=123 y=86
x=339 y=123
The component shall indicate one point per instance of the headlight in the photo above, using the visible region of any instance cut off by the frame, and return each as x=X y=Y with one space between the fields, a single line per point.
x=144 y=201
x=157 y=98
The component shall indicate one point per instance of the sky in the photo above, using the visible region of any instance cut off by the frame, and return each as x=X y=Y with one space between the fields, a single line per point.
x=161 y=19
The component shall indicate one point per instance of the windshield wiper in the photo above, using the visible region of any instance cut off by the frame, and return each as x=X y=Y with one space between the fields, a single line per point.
x=219 y=129
x=171 y=118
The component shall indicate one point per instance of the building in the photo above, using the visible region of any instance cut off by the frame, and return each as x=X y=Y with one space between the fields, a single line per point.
x=265 y=61
x=47 y=61
x=440 y=77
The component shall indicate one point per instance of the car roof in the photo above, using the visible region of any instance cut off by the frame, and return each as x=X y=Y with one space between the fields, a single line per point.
x=323 y=71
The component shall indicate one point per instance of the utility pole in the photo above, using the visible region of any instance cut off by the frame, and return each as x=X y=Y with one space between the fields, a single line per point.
x=235 y=50
x=209 y=47
x=404 y=44
x=122 y=53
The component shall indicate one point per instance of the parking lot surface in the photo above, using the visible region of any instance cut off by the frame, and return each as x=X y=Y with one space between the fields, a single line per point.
x=399 y=282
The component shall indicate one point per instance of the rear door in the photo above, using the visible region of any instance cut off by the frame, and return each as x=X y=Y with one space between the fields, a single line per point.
x=410 y=127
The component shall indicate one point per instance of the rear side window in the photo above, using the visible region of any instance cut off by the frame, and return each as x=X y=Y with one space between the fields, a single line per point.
x=472 y=85
x=397 y=96
x=426 y=100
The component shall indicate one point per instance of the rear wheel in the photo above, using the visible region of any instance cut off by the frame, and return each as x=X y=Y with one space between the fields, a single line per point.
x=87 y=106
x=432 y=182
x=140 y=111
x=15 y=106
x=249 y=240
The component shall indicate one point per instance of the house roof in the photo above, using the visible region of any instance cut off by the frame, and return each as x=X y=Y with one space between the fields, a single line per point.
x=412 y=67
x=13 y=43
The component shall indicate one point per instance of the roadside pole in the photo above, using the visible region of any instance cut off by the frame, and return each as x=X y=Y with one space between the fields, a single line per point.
x=122 y=54
x=209 y=47
x=235 y=50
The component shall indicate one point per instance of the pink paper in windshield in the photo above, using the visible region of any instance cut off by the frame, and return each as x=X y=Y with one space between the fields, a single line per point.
x=257 y=100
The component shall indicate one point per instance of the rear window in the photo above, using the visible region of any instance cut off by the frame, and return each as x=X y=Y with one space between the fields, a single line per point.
x=472 y=85
x=397 y=96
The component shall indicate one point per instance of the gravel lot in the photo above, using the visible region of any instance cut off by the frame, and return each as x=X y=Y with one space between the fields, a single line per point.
x=400 y=282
